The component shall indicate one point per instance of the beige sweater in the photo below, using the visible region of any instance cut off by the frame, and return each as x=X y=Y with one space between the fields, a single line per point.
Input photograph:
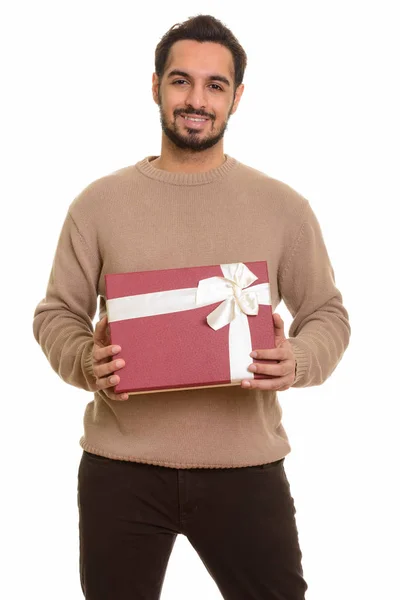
x=143 y=218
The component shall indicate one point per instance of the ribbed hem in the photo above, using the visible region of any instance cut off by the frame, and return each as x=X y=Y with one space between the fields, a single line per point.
x=146 y=168
x=301 y=358
x=84 y=444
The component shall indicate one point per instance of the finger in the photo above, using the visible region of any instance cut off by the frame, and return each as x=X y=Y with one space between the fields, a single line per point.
x=106 y=383
x=280 y=353
x=107 y=368
x=277 y=370
x=100 y=353
x=276 y=384
x=279 y=327
x=114 y=396
x=100 y=333
x=278 y=321
x=101 y=324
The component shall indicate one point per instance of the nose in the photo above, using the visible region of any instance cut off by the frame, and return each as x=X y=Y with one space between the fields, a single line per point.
x=196 y=97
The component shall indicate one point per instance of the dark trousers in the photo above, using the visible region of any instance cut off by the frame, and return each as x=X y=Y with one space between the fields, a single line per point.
x=240 y=521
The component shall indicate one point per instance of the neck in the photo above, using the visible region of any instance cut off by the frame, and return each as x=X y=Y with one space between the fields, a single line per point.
x=179 y=160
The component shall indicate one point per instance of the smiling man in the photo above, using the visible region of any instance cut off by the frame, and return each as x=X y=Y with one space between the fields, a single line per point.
x=204 y=463
x=197 y=76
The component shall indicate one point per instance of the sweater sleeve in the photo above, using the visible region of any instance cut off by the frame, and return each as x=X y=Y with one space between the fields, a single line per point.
x=320 y=330
x=62 y=322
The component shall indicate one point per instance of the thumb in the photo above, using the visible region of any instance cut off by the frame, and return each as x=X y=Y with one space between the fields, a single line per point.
x=279 y=328
x=100 y=333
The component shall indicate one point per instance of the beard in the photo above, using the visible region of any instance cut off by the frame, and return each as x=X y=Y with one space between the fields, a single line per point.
x=192 y=140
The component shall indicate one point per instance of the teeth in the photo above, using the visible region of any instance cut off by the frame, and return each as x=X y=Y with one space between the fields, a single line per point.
x=194 y=119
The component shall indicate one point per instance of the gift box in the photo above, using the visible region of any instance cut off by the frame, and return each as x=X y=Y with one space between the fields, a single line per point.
x=189 y=328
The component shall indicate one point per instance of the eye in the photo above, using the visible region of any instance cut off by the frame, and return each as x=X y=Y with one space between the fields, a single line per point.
x=178 y=81
x=217 y=86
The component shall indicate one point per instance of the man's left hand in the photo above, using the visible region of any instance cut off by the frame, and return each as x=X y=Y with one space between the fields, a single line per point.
x=283 y=372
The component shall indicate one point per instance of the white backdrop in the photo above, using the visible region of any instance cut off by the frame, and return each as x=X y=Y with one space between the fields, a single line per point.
x=319 y=112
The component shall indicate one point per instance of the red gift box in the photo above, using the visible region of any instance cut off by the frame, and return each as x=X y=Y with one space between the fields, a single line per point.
x=189 y=328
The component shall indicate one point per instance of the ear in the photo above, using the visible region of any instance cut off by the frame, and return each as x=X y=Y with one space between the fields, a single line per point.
x=155 y=87
x=238 y=95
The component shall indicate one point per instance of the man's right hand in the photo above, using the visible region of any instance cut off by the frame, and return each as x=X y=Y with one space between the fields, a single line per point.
x=103 y=365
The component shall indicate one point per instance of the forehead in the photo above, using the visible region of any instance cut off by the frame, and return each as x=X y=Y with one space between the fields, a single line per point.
x=201 y=58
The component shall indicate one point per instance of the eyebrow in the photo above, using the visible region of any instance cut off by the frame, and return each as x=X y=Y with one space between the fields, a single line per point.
x=220 y=78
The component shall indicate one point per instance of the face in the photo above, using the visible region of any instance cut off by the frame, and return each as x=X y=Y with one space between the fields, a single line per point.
x=196 y=94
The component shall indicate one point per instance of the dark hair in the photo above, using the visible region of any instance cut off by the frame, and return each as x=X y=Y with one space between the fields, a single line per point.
x=202 y=28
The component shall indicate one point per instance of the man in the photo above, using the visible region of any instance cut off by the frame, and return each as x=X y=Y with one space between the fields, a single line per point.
x=206 y=463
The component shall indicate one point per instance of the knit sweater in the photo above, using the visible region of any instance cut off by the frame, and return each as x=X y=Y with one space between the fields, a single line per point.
x=142 y=218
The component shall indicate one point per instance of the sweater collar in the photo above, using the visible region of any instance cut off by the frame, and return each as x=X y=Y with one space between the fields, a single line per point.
x=146 y=168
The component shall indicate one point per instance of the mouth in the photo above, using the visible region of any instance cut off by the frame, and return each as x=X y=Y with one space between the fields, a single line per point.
x=194 y=122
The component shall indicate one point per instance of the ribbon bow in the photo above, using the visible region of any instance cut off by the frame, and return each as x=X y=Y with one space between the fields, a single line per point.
x=231 y=289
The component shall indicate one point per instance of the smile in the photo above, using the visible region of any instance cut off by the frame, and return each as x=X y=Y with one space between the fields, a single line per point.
x=195 y=119
x=194 y=122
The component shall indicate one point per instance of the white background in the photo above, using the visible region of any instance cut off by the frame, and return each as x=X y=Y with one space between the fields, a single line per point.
x=320 y=112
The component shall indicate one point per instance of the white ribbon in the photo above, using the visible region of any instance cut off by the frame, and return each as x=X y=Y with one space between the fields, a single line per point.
x=236 y=303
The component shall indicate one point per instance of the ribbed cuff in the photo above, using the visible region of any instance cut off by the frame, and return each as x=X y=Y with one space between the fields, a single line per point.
x=87 y=365
x=301 y=358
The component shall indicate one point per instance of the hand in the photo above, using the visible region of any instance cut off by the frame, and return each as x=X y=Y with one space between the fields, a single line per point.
x=284 y=372
x=102 y=363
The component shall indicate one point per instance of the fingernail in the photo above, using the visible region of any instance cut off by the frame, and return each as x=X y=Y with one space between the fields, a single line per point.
x=116 y=349
x=113 y=380
x=246 y=384
x=253 y=354
x=252 y=368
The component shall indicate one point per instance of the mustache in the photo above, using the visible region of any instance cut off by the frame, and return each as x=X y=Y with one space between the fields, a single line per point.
x=197 y=113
